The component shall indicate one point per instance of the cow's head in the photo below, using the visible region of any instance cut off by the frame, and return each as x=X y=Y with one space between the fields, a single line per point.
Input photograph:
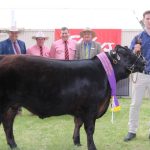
x=126 y=62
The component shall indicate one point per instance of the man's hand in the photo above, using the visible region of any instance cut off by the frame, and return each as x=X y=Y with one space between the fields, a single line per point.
x=137 y=48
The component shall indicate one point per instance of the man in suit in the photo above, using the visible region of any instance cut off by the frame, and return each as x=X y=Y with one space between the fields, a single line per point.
x=12 y=45
x=87 y=48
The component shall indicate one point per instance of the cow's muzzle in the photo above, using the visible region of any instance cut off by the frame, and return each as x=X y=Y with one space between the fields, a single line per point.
x=139 y=63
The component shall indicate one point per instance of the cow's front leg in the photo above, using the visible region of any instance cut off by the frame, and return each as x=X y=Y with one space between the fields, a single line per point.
x=7 y=121
x=76 y=135
x=89 y=126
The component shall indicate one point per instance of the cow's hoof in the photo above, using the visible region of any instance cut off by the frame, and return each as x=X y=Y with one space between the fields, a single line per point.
x=13 y=146
x=77 y=141
x=16 y=148
x=92 y=148
x=78 y=144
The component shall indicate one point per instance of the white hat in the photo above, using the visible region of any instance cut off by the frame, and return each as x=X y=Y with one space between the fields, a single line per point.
x=39 y=35
x=13 y=29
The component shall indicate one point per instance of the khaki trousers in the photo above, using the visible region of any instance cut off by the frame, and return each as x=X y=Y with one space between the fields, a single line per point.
x=142 y=81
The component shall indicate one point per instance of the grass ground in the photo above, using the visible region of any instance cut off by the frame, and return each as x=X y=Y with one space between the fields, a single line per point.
x=55 y=133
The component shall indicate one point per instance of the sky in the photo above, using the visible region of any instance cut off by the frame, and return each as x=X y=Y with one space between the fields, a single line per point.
x=51 y=14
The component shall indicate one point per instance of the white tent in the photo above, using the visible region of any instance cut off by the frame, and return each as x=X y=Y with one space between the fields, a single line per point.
x=47 y=14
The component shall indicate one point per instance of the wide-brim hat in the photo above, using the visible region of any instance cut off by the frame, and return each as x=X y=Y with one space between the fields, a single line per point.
x=13 y=29
x=87 y=30
x=40 y=35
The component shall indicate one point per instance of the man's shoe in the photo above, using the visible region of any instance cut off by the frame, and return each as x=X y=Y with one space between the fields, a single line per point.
x=129 y=136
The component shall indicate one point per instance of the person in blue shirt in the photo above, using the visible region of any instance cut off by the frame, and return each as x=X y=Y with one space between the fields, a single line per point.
x=141 y=81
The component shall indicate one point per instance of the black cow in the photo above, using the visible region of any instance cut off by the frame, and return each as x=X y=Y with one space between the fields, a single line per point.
x=53 y=87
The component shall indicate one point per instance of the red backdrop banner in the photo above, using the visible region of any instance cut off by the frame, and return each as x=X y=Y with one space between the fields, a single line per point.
x=107 y=37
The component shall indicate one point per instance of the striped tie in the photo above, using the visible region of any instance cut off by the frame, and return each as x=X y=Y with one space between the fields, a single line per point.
x=16 y=48
x=66 y=51
x=41 y=51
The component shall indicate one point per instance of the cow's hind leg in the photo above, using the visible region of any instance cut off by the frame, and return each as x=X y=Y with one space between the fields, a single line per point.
x=7 y=121
x=89 y=126
x=76 y=135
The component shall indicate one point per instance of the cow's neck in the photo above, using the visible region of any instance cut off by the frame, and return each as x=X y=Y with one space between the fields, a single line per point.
x=119 y=73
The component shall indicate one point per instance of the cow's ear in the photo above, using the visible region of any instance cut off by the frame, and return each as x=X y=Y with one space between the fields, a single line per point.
x=117 y=47
x=115 y=51
x=126 y=47
x=114 y=55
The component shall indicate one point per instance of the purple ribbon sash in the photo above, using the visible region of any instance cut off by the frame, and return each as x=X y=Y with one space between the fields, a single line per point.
x=111 y=78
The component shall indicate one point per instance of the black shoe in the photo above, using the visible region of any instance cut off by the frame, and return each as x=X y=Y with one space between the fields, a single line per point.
x=129 y=136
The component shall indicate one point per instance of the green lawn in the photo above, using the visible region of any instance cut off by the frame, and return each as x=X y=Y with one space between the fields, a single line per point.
x=55 y=133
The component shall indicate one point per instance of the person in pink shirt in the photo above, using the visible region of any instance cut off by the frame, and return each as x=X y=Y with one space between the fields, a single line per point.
x=63 y=48
x=39 y=49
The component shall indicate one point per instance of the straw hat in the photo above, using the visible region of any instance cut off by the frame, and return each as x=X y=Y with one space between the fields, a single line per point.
x=40 y=35
x=87 y=30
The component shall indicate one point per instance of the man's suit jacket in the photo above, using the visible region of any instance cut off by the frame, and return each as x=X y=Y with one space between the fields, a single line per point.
x=80 y=50
x=7 y=48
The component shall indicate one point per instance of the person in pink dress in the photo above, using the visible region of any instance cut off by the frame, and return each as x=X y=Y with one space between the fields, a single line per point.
x=39 y=49
x=63 y=48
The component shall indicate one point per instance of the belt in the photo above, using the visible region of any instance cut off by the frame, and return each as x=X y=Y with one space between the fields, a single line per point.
x=146 y=72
